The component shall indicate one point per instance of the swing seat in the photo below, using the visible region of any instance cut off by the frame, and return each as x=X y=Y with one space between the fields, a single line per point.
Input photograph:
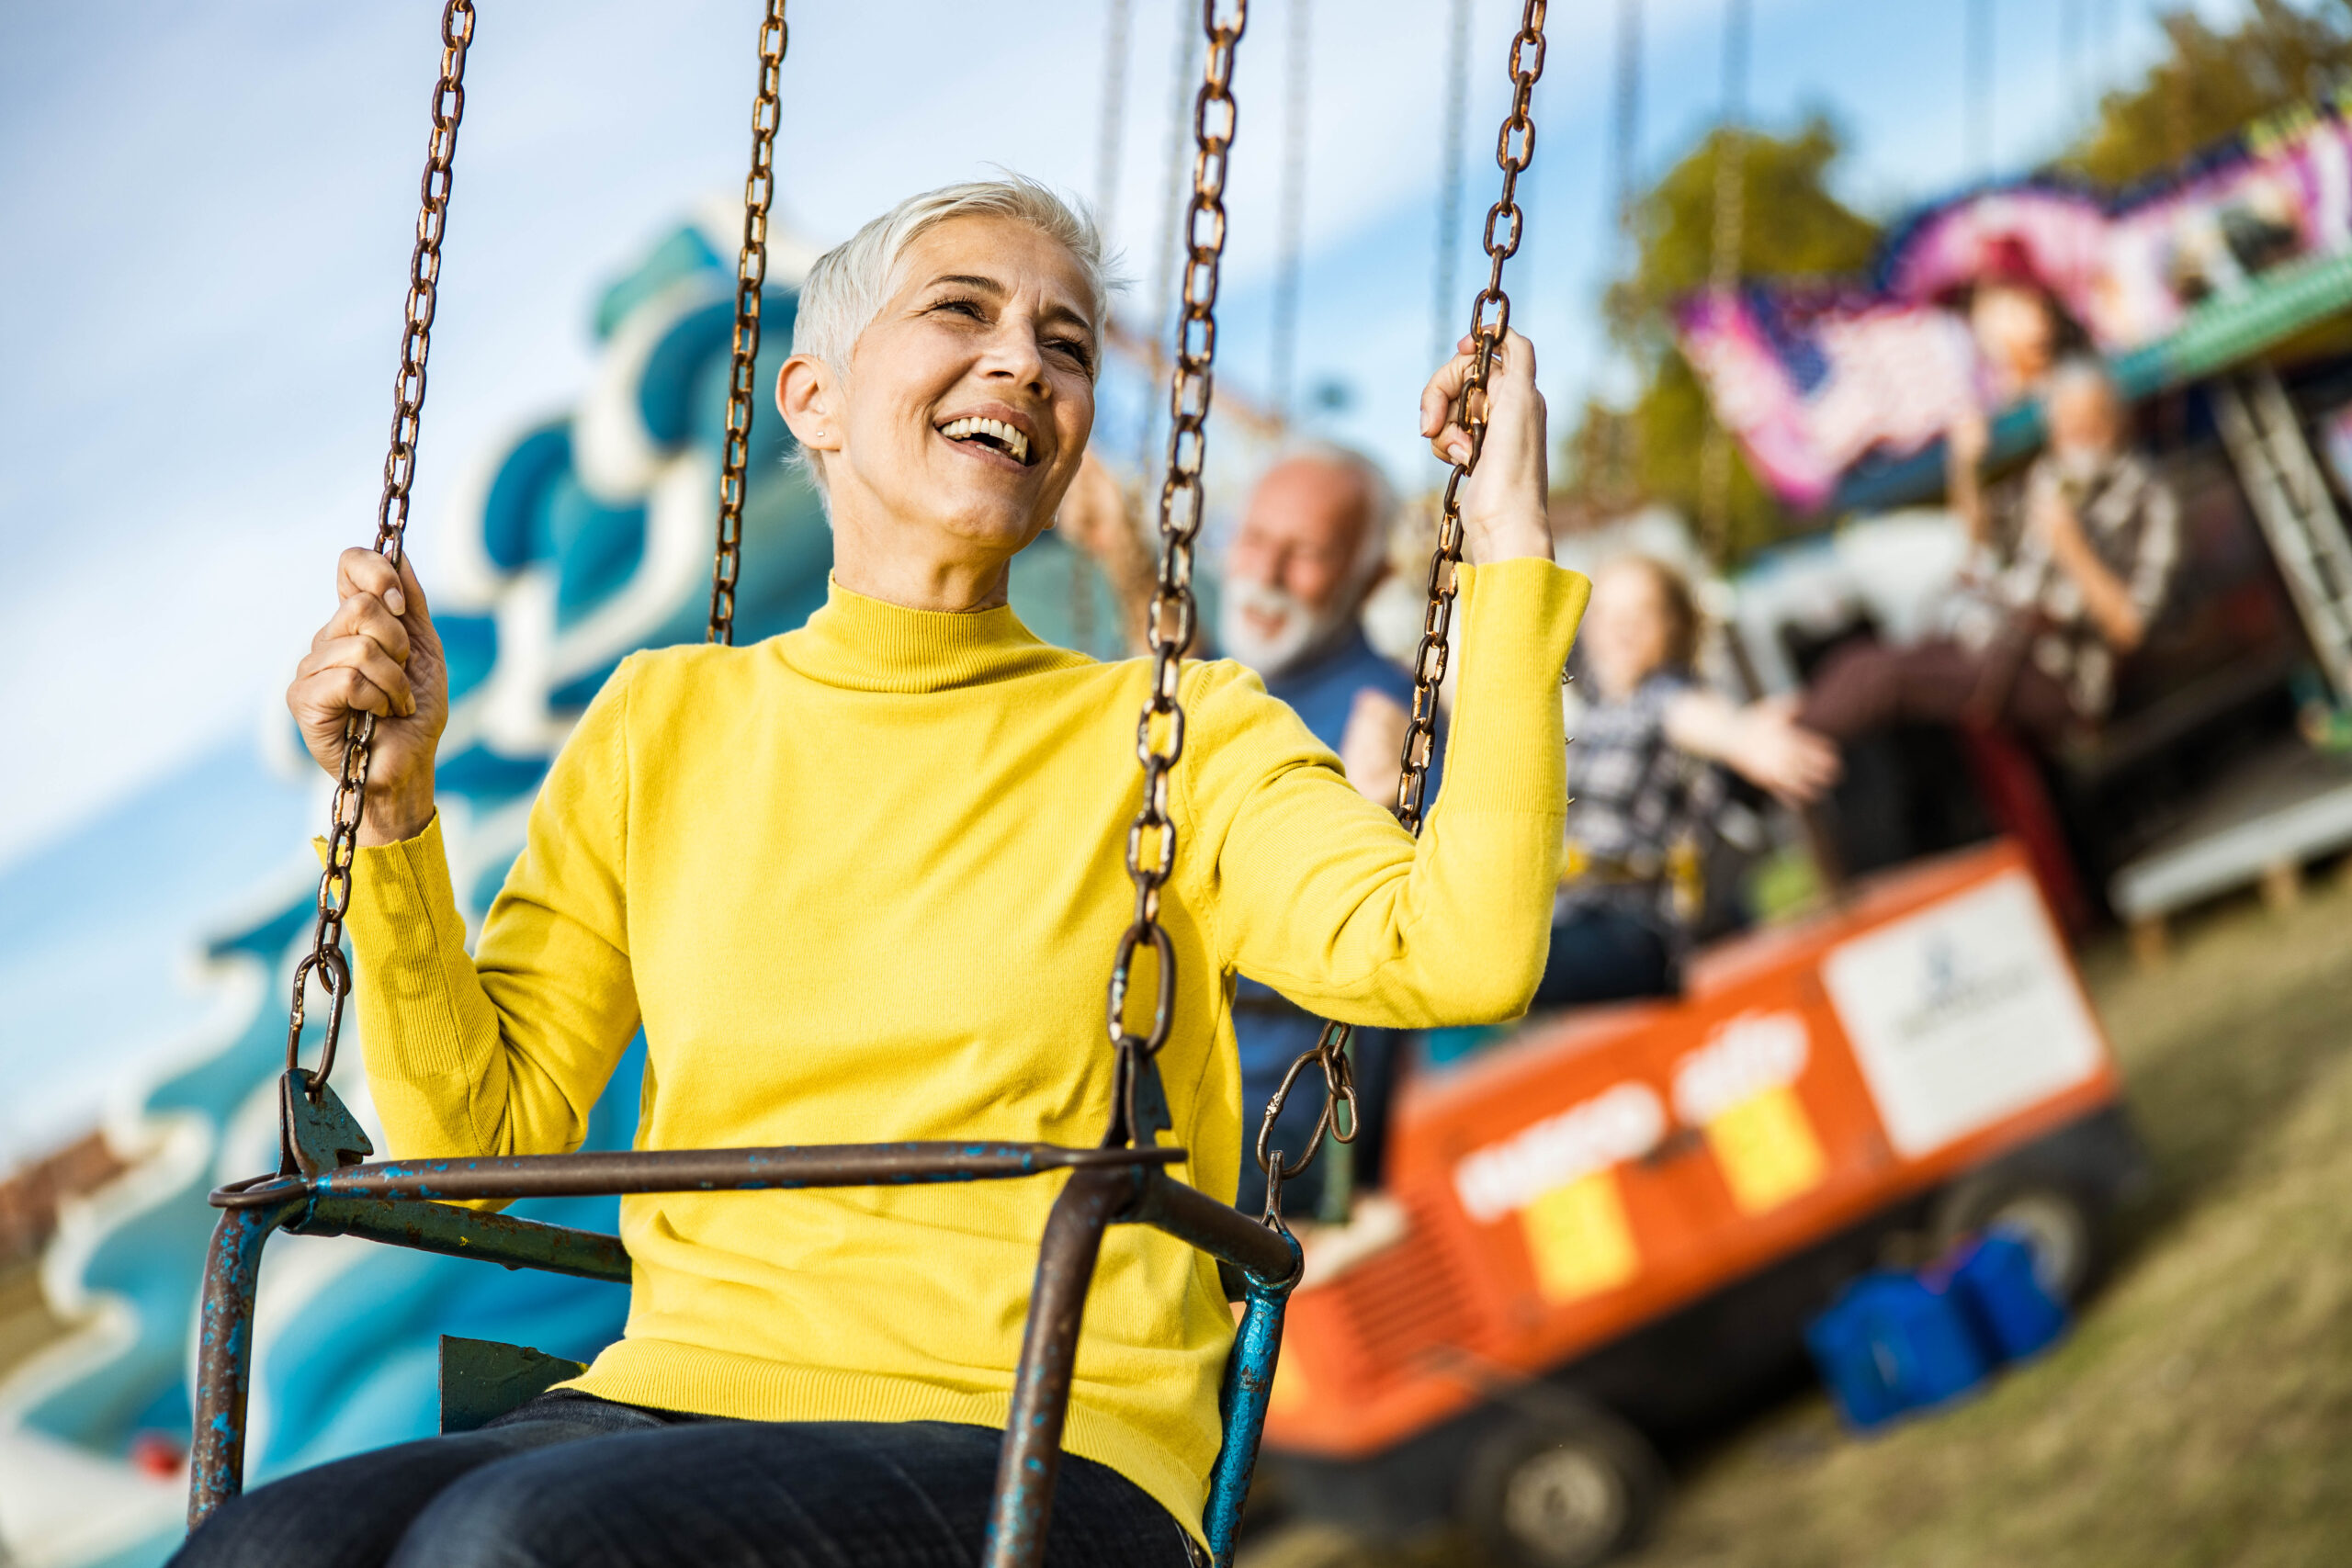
x=482 y=1379
x=324 y=1186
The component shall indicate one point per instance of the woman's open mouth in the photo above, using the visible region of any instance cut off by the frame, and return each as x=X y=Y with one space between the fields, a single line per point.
x=991 y=434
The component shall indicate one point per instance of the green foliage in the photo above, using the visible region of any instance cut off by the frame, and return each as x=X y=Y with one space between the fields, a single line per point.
x=2212 y=85
x=1792 y=225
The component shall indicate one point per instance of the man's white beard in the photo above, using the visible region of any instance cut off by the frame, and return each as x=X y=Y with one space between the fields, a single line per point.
x=1300 y=629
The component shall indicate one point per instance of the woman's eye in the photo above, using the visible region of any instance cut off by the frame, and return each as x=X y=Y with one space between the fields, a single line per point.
x=1075 y=349
x=968 y=307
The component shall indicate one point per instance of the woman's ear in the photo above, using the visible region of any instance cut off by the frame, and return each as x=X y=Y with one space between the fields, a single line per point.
x=805 y=395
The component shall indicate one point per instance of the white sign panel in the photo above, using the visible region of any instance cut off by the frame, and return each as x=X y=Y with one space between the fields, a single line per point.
x=1963 y=1013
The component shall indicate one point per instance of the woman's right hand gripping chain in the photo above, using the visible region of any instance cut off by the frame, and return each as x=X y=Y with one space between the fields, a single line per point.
x=378 y=654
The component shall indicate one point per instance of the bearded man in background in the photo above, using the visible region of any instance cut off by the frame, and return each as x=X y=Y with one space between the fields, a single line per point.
x=1312 y=545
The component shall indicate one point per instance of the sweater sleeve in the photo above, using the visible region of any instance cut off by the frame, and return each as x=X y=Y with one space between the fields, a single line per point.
x=1321 y=895
x=504 y=1051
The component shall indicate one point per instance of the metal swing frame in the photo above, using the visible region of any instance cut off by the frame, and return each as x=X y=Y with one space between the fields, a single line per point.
x=325 y=1186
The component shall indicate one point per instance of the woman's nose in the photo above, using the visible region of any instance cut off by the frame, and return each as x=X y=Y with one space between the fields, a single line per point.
x=1012 y=354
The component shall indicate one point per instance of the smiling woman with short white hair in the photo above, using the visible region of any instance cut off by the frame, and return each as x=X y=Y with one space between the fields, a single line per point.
x=840 y=879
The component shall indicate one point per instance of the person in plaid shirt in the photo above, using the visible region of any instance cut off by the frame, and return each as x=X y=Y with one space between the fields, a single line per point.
x=1642 y=790
x=2037 y=648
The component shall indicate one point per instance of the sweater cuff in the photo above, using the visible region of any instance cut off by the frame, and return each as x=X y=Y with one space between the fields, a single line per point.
x=1506 y=751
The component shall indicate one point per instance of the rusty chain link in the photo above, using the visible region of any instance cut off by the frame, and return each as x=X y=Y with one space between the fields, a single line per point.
x=326 y=957
x=1514 y=147
x=1174 y=614
x=751 y=279
x=1330 y=1054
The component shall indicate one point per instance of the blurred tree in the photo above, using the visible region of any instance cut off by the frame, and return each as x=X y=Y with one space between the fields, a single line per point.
x=1615 y=458
x=2212 y=84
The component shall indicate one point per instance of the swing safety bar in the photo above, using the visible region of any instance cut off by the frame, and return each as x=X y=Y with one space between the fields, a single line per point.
x=404 y=1202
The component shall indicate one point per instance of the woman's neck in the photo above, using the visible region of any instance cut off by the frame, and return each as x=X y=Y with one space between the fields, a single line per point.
x=915 y=569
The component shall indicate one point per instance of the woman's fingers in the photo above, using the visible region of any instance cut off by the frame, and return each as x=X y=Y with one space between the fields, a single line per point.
x=361 y=571
x=1441 y=407
x=365 y=615
x=1444 y=388
x=323 y=699
x=366 y=657
x=1510 y=370
x=411 y=600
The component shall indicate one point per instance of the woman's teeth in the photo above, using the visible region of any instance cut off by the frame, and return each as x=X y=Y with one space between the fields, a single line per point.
x=992 y=430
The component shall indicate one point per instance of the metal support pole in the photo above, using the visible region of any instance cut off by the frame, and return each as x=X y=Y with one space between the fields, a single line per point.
x=1030 y=1459
x=1248 y=1380
x=600 y=1173
x=467 y=1233
x=1222 y=1231
x=224 y=1353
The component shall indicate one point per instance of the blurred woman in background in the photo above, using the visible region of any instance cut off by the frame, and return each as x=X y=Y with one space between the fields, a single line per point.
x=1639 y=790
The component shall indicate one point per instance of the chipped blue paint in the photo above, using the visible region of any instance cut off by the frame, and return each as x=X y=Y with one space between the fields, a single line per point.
x=224 y=1354
x=1249 y=1382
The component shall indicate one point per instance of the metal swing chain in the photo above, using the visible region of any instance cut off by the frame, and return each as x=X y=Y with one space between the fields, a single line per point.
x=1514 y=146
x=751 y=279
x=1174 y=615
x=326 y=957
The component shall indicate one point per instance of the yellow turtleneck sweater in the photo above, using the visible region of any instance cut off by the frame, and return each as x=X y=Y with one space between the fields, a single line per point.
x=860 y=883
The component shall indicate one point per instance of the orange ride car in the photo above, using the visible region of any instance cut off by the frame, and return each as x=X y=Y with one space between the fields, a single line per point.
x=1617 y=1225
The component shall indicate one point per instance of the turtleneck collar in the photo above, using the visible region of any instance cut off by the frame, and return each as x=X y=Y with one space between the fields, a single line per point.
x=867 y=645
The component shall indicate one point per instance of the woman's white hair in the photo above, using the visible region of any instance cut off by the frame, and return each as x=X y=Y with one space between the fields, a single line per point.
x=847 y=287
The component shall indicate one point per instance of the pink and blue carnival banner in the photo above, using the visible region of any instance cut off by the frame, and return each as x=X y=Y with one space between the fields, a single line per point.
x=1816 y=375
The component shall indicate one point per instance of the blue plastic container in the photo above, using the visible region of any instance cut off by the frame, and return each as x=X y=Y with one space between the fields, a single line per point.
x=1894 y=1343
x=1997 y=1286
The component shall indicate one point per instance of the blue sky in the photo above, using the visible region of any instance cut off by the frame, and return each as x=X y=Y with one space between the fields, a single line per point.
x=210 y=210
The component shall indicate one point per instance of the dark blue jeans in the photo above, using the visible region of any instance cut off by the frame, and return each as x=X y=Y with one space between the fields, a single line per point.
x=570 y=1480
x=1599 y=954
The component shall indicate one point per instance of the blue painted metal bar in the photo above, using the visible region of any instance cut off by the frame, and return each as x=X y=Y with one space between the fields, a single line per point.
x=224 y=1353
x=1249 y=1381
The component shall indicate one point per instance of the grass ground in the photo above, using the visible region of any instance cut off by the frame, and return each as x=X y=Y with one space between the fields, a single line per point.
x=2201 y=1413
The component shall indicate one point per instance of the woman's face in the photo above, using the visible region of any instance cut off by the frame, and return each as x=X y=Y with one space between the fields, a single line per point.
x=969 y=396
x=1627 y=629
x=2014 y=330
